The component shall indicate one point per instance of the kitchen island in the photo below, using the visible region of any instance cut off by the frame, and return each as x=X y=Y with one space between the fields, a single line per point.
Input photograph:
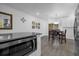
x=19 y=44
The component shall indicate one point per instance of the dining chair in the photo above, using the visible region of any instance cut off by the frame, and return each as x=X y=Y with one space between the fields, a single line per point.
x=62 y=36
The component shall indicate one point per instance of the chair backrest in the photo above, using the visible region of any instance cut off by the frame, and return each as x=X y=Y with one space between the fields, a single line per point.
x=65 y=31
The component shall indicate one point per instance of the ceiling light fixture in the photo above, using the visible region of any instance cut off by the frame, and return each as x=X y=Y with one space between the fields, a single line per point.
x=56 y=22
x=37 y=13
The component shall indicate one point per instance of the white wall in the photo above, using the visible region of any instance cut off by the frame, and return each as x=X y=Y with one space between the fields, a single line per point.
x=18 y=26
x=68 y=24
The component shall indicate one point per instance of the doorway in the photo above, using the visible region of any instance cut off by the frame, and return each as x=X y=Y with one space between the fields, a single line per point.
x=52 y=26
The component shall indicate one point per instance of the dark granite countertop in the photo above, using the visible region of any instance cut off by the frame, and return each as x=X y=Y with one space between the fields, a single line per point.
x=16 y=36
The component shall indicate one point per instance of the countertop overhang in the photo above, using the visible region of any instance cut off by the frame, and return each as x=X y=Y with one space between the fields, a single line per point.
x=16 y=36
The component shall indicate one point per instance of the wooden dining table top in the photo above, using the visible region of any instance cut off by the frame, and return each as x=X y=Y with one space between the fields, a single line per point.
x=59 y=32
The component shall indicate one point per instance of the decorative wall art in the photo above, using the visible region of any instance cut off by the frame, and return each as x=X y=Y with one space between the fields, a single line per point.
x=5 y=20
x=38 y=25
x=35 y=25
x=23 y=19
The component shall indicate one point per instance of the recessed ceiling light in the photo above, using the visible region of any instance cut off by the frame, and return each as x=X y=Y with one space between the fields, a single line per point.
x=56 y=22
x=37 y=13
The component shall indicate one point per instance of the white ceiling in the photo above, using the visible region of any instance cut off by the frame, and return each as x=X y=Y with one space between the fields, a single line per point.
x=45 y=10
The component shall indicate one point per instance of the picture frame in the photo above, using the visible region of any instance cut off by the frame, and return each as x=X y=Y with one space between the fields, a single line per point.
x=5 y=20
x=33 y=24
x=38 y=25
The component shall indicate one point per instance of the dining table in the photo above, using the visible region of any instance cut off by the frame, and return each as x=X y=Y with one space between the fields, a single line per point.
x=61 y=35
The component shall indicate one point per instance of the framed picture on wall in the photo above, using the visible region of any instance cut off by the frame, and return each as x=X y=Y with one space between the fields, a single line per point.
x=38 y=25
x=33 y=24
x=5 y=20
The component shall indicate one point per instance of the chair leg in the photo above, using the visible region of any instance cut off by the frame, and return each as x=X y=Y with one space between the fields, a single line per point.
x=52 y=37
x=49 y=38
x=60 y=40
x=65 y=39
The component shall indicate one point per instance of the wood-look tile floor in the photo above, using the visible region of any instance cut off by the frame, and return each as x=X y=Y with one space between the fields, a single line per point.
x=54 y=48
